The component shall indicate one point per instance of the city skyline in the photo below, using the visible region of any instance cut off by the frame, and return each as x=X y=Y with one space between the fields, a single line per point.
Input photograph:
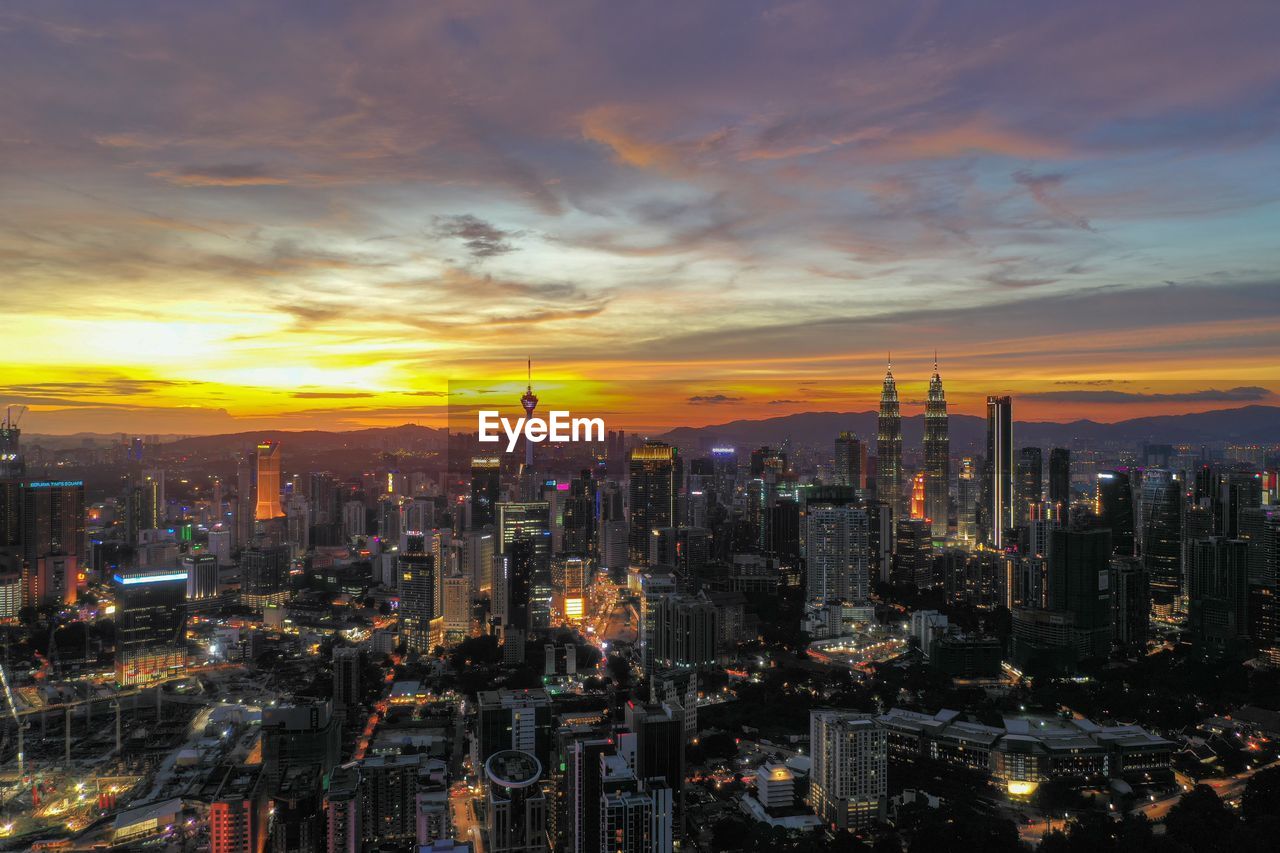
x=583 y=427
x=222 y=234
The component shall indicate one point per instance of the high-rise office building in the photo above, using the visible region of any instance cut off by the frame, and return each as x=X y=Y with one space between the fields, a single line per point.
x=151 y=622
x=937 y=457
x=245 y=500
x=837 y=553
x=347 y=661
x=513 y=719
x=889 y=447
x=298 y=735
x=297 y=822
x=12 y=464
x=968 y=492
x=850 y=461
x=1131 y=604
x=724 y=463
x=1115 y=510
x=998 y=486
x=1029 y=484
x=1218 y=595
x=388 y=798
x=155 y=509
x=1079 y=583
x=635 y=815
x=527 y=568
x=486 y=486
x=42 y=522
x=516 y=807
x=202 y=576
x=913 y=554
x=654 y=485
x=657 y=735
x=268 y=506
x=1161 y=543
x=684 y=631
x=417 y=579
x=341 y=806
x=1060 y=479
x=264 y=575
x=239 y=811
x=849 y=780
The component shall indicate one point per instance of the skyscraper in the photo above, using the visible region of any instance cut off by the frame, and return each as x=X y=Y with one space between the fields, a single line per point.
x=513 y=719
x=268 y=487
x=837 y=553
x=850 y=457
x=347 y=661
x=12 y=466
x=486 y=474
x=151 y=641
x=238 y=813
x=202 y=576
x=516 y=813
x=1218 y=593
x=659 y=739
x=654 y=484
x=998 y=506
x=1060 y=479
x=968 y=488
x=1115 y=510
x=889 y=447
x=1080 y=584
x=1162 y=499
x=849 y=782
x=937 y=456
x=528 y=568
x=1030 y=484
x=264 y=572
x=418 y=579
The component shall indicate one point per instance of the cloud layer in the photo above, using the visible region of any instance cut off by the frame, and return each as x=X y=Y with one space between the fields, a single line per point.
x=251 y=207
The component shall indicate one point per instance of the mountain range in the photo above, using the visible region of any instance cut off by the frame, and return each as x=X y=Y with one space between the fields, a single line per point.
x=1244 y=425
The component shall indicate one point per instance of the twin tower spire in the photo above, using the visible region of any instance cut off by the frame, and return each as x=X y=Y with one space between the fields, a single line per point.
x=890 y=479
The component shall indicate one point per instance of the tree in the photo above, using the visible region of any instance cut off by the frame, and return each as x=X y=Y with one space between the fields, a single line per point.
x=620 y=671
x=730 y=834
x=1202 y=822
x=719 y=745
x=475 y=651
x=1261 y=796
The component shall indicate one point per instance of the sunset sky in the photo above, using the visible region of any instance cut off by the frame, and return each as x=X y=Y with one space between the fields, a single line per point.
x=227 y=216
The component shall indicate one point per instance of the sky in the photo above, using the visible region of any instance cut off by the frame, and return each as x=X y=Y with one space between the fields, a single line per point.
x=227 y=216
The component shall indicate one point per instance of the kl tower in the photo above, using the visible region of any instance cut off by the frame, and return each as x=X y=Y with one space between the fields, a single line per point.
x=529 y=401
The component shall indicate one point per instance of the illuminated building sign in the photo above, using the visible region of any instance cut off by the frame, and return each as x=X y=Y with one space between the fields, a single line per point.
x=130 y=580
x=54 y=484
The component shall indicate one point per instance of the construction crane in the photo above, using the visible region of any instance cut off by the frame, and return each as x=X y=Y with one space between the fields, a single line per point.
x=10 y=419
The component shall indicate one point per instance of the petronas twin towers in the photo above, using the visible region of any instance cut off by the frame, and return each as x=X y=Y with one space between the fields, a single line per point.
x=937 y=453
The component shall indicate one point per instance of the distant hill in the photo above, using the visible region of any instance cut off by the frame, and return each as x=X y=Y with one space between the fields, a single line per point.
x=1249 y=424
x=406 y=437
x=1245 y=425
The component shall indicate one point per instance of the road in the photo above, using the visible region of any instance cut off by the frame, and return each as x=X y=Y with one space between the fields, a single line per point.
x=1229 y=788
x=465 y=826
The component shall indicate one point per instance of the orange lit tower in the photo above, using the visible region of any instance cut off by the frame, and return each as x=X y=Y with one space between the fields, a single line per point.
x=268 y=506
x=918 y=496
